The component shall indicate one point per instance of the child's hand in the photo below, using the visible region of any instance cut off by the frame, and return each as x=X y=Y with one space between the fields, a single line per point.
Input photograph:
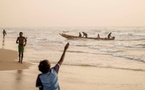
x=66 y=46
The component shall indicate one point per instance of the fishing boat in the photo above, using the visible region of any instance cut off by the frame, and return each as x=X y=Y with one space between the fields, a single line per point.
x=77 y=37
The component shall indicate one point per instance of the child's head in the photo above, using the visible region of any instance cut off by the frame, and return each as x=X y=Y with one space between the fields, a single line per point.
x=44 y=66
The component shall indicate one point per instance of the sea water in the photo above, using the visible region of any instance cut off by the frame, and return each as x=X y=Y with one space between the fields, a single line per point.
x=46 y=43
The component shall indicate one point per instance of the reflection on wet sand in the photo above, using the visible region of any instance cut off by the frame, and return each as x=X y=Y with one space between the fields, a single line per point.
x=3 y=43
x=18 y=80
x=19 y=75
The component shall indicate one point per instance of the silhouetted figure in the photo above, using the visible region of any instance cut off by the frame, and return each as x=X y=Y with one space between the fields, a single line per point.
x=98 y=36
x=85 y=34
x=109 y=35
x=4 y=33
x=21 y=41
x=80 y=35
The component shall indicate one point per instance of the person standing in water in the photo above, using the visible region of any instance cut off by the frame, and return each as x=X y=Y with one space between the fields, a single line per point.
x=4 y=33
x=109 y=35
x=21 y=41
x=80 y=35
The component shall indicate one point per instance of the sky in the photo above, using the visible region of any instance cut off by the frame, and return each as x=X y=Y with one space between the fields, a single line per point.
x=46 y=13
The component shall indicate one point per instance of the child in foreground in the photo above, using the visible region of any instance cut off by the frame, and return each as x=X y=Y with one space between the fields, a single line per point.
x=48 y=79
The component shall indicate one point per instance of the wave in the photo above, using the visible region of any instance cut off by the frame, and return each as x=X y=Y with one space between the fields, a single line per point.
x=135 y=46
x=128 y=57
x=140 y=45
x=107 y=67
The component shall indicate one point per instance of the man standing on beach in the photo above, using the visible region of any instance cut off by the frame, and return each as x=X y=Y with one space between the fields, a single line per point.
x=21 y=41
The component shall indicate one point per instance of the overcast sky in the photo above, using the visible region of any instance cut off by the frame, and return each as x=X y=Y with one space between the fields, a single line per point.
x=45 y=13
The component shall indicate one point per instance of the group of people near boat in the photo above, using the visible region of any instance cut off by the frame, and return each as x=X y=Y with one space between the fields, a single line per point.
x=84 y=34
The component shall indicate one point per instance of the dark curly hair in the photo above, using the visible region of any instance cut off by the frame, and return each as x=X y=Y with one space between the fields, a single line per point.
x=44 y=66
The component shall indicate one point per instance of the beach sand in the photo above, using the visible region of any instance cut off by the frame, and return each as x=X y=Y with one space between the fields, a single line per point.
x=16 y=76
x=76 y=78
x=9 y=60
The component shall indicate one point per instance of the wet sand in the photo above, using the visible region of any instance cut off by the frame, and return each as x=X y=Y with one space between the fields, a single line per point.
x=16 y=76
x=9 y=60
x=76 y=78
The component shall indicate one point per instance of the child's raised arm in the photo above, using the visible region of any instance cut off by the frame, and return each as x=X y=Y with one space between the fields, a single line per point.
x=63 y=54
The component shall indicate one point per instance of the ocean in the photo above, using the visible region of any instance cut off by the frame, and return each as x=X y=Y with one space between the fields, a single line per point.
x=46 y=43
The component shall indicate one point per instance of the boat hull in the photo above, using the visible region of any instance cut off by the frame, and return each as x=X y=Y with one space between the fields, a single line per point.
x=77 y=37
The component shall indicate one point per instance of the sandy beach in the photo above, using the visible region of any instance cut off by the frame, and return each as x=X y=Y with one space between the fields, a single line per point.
x=9 y=60
x=76 y=78
x=93 y=61
x=16 y=76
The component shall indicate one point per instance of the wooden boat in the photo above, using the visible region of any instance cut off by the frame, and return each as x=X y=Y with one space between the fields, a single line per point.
x=77 y=37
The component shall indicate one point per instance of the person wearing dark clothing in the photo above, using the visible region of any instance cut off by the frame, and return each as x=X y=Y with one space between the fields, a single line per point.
x=4 y=33
x=109 y=35
x=85 y=34
x=80 y=35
